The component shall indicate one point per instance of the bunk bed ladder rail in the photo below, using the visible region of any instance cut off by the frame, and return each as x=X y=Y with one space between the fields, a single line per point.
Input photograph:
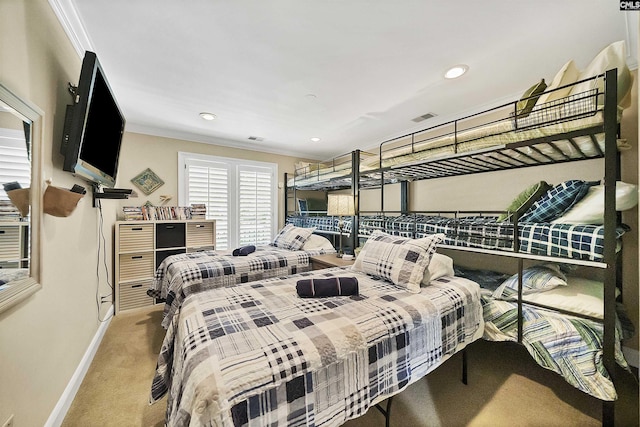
x=610 y=218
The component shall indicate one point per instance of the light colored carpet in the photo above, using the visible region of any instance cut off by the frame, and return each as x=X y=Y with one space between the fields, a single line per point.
x=506 y=388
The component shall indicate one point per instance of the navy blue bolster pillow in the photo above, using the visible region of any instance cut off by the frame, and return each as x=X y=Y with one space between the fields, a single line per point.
x=329 y=287
x=244 y=250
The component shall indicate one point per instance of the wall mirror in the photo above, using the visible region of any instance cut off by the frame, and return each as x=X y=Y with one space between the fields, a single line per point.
x=20 y=217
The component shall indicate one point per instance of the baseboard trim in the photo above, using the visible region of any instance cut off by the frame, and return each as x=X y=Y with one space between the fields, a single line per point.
x=64 y=403
x=632 y=355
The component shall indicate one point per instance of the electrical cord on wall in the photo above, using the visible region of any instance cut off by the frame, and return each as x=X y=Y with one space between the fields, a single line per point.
x=102 y=243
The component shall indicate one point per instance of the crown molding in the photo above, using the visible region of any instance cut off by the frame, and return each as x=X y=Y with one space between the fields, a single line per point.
x=70 y=20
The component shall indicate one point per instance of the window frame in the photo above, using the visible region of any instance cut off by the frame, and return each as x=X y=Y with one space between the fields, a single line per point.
x=233 y=183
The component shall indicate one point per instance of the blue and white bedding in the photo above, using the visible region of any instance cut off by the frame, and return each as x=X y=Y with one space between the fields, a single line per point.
x=585 y=242
x=568 y=345
x=260 y=355
x=181 y=275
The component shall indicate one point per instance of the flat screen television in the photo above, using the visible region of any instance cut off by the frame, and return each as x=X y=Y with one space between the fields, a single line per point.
x=93 y=129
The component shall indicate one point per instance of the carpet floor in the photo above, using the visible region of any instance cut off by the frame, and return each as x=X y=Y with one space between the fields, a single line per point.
x=506 y=388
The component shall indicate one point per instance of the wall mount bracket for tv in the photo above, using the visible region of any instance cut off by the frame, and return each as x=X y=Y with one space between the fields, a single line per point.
x=110 y=193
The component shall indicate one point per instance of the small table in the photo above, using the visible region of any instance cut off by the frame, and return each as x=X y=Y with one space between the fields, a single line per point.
x=319 y=262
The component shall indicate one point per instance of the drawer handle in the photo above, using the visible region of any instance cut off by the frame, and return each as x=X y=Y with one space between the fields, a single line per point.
x=169 y=227
x=2 y=231
x=199 y=225
x=137 y=257
x=136 y=286
x=136 y=229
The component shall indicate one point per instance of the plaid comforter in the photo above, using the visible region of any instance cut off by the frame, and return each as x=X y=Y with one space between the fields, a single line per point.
x=259 y=355
x=567 y=345
x=585 y=242
x=184 y=274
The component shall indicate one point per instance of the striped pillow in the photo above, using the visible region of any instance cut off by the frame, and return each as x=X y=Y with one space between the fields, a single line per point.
x=292 y=237
x=538 y=278
x=397 y=259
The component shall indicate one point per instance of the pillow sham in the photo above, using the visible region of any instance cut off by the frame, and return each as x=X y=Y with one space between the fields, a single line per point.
x=538 y=278
x=440 y=265
x=317 y=242
x=568 y=74
x=397 y=259
x=292 y=237
x=525 y=199
x=612 y=56
x=590 y=210
x=581 y=295
x=556 y=201
x=529 y=98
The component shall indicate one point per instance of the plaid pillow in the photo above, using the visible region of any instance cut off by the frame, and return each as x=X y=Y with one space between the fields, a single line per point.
x=556 y=201
x=534 y=279
x=399 y=260
x=292 y=237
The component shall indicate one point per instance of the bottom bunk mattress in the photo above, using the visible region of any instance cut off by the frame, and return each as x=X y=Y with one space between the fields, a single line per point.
x=568 y=345
x=584 y=242
x=180 y=275
x=261 y=355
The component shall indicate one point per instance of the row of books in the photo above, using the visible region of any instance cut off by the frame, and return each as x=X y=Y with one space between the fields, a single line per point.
x=8 y=212
x=151 y=213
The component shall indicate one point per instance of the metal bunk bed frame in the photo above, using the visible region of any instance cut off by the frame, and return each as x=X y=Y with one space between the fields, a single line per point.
x=495 y=159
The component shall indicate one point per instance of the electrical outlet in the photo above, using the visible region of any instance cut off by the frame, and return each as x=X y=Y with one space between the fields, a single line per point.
x=9 y=422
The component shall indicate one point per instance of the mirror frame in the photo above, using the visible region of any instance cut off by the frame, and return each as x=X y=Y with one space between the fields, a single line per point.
x=23 y=288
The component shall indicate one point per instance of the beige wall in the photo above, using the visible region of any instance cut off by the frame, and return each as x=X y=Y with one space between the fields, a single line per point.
x=161 y=155
x=43 y=339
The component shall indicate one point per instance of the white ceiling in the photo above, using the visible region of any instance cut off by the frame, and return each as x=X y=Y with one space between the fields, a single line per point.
x=371 y=65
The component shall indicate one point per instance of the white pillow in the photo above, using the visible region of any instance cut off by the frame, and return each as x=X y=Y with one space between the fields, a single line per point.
x=292 y=237
x=440 y=265
x=317 y=242
x=582 y=296
x=612 y=56
x=568 y=74
x=590 y=209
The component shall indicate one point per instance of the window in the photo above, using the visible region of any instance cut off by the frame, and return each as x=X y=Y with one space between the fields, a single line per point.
x=241 y=195
x=14 y=160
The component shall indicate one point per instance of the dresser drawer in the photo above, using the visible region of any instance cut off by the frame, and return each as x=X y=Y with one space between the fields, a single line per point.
x=136 y=237
x=134 y=295
x=200 y=234
x=139 y=265
x=170 y=235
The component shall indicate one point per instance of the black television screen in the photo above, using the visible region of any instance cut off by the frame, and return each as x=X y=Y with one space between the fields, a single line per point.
x=94 y=126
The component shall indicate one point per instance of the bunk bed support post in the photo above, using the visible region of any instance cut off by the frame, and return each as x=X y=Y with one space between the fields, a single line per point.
x=286 y=196
x=610 y=175
x=404 y=197
x=355 y=193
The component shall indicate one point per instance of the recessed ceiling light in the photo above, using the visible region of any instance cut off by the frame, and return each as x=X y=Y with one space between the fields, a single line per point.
x=456 y=71
x=315 y=139
x=208 y=116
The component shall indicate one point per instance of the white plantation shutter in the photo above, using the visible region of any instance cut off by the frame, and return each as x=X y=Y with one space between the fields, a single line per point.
x=240 y=195
x=255 y=205
x=14 y=161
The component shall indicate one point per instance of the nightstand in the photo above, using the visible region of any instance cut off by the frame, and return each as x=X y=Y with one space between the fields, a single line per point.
x=318 y=262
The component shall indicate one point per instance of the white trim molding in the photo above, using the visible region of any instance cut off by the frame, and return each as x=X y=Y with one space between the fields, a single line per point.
x=72 y=24
x=66 y=399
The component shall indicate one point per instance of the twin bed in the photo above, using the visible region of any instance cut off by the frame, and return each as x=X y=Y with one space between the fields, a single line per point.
x=257 y=353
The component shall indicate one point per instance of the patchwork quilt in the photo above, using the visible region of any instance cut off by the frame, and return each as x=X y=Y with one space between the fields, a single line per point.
x=567 y=345
x=184 y=274
x=259 y=355
x=585 y=242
